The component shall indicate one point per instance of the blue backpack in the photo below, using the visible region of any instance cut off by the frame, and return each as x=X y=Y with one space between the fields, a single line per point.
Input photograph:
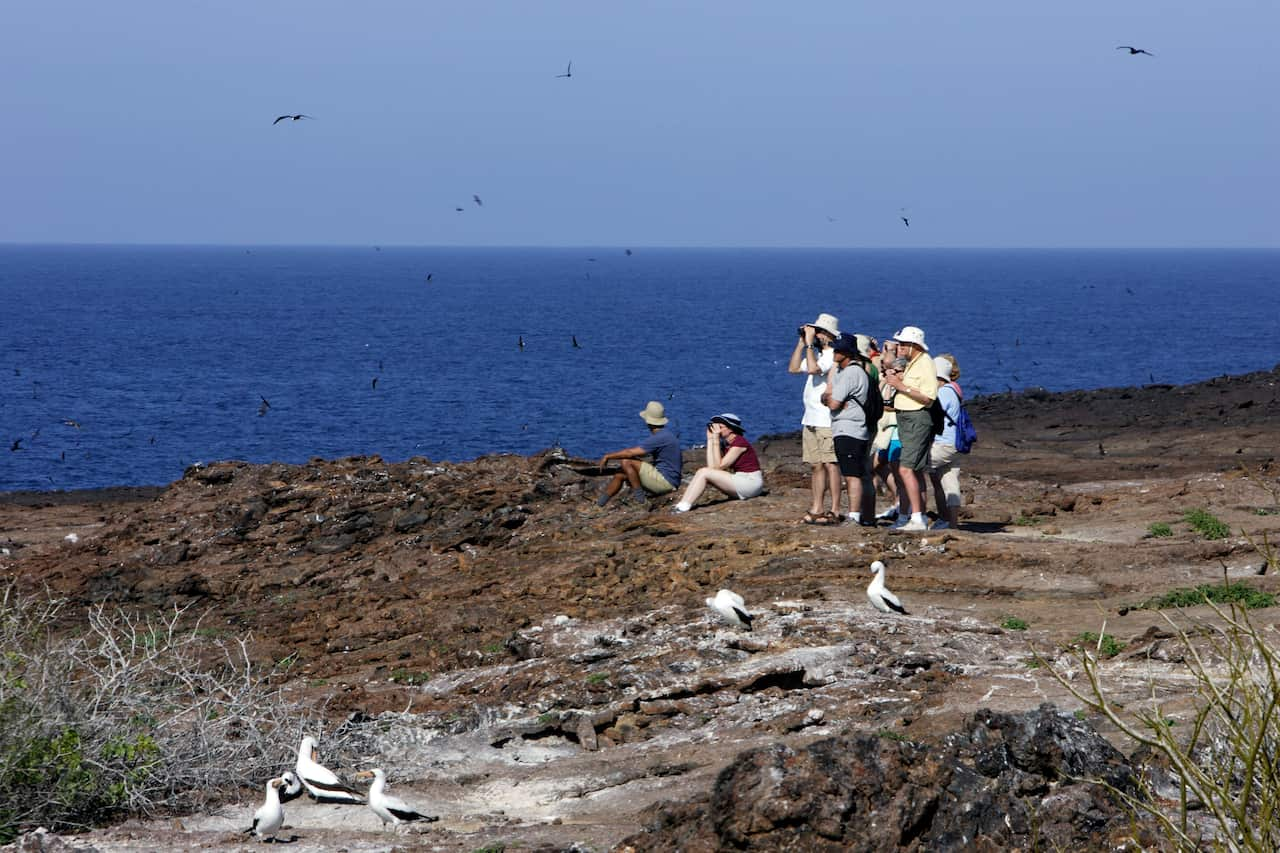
x=966 y=435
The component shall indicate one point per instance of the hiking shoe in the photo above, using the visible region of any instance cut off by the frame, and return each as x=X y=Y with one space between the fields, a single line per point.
x=940 y=525
x=912 y=526
x=902 y=522
x=679 y=509
x=888 y=515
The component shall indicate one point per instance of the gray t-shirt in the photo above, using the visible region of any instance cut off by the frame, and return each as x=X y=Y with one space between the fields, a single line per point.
x=851 y=385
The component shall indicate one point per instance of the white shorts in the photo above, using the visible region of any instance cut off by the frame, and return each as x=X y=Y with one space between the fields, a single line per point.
x=748 y=485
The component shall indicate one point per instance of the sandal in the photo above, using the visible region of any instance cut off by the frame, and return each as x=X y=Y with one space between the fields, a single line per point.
x=810 y=518
x=825 y=519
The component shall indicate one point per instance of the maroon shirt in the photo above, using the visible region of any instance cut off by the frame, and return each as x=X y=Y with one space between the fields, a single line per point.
x=747 y=463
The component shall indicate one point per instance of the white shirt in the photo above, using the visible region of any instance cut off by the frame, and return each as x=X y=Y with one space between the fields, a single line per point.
x=816 y=413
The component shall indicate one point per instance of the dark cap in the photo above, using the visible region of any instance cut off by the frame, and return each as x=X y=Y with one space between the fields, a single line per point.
x=730 y=420
x=846 y=344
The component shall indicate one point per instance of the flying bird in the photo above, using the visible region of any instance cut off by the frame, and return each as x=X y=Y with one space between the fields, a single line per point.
x=576 y=345
x=905 y=221
x=17 y=445
x=269 y=817
x=374 y=384
x=477 y=200
x=520 y=342
x=568 y=72
x=295 y=118
x=429 y=275
x=731 y=608
x=458 y=209
x=1134 y=51
x=628 y=253
x=391 y=809
x=881 y=599
x=72 y=423
x=262 y=409
x=321 y=783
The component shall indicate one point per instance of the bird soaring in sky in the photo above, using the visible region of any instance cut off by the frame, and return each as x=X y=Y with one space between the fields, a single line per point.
x=477 y=200
x=262 y=409
x=905 y=221
x=576 y=345
x=568 y=72
x=294 y=118
x=1134 y=51
x=520 y=341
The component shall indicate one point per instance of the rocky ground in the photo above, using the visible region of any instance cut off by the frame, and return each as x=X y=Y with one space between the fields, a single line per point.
x=542 y=673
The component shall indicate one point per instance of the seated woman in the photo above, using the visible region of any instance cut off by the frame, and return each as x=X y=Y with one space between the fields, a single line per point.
x=733 y=469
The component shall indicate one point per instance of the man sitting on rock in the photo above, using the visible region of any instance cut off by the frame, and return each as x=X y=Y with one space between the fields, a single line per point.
x=656 y=478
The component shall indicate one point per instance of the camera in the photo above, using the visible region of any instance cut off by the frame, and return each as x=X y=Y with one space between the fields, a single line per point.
x=900 y=364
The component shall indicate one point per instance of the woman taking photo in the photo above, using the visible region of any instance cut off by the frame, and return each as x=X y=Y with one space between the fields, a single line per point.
x=732 y=467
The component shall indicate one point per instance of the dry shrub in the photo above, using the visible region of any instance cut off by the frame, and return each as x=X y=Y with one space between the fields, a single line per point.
x=1223 y=757
x=129 y=715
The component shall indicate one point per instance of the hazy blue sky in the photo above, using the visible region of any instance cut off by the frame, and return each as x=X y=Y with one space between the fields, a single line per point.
x=994 y=123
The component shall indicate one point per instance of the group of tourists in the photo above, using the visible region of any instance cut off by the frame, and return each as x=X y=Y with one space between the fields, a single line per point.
x=869 y=426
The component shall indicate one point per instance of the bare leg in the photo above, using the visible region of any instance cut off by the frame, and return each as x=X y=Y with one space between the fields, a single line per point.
x=817 y=486
x=911 y=484
x=833 y=486
x=853 y=486
x=631 y=470
x=721 y=480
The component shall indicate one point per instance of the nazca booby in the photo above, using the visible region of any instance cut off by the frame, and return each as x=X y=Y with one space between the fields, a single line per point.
x=731 y=608
x=321 y=782
x=881 y=599
x=391 y=809
x=269 y=817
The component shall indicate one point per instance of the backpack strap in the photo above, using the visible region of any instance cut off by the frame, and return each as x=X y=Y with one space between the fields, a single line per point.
x=954 y=390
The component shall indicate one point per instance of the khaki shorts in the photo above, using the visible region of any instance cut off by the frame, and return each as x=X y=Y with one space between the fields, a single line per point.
x=942 y=464
x=652 y=481
x=817 y=446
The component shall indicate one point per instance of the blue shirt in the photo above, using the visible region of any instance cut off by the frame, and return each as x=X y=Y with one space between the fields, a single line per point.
x=950 y=401
x=664 y=447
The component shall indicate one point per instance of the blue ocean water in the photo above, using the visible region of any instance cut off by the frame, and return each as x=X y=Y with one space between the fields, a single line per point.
x=122 y=365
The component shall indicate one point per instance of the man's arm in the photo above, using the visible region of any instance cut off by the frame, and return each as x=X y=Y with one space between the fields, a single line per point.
x=629 y=453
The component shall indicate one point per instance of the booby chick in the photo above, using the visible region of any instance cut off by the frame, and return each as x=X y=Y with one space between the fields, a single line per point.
x=731 y=608
x=391 y=809
x=291 y=788
x=881 y=599
x=321 y=782
x=269 y=817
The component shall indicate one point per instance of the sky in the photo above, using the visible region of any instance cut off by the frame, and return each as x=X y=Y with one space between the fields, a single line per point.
x=996 y=123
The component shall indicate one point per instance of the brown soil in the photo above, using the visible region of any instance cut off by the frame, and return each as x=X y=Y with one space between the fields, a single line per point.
x=373 y=572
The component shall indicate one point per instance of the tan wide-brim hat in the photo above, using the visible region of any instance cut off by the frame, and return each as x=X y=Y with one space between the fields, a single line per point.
x=911 y=335
x=654 y=414
x=827 y=323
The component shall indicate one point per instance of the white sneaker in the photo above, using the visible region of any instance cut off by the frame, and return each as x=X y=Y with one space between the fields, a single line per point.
x=890 y=514
x=912 y=527
x=678 y=508
x=902 y=522
x=939 y=525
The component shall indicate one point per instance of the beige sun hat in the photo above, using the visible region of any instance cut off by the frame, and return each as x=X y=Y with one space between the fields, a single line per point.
x=654 y=413
x=942 y=367
x=911 y=335
x=827 y=323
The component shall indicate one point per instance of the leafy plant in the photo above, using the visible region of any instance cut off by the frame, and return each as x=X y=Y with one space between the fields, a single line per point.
x=1105 y=644
x=1206 y=524
x=889 y=734
x=1233 y=593
x=1159 y=529
x=1027 y=520
x=597 y=678
x=1013 y=623
x=405 y=676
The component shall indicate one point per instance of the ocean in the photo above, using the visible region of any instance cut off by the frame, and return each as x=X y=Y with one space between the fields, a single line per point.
x=122 y=365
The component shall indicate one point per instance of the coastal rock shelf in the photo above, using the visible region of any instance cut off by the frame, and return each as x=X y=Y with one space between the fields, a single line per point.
x=542 y=672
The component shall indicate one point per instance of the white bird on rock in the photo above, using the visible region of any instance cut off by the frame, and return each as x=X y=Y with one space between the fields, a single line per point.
x=321 y=782
x=269 y=817
x=731 y=608
x=392 y=810
x=291 y=788
x=881 y=599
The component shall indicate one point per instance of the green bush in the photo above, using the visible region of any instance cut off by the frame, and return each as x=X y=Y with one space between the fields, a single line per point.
x=1159 y=529
x=1234 y=593
x=1106 y=645
x=1013 y=623
x=1206 y=524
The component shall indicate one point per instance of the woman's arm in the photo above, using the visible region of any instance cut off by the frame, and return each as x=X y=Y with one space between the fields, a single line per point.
x=713 y=448
x=726 y=462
